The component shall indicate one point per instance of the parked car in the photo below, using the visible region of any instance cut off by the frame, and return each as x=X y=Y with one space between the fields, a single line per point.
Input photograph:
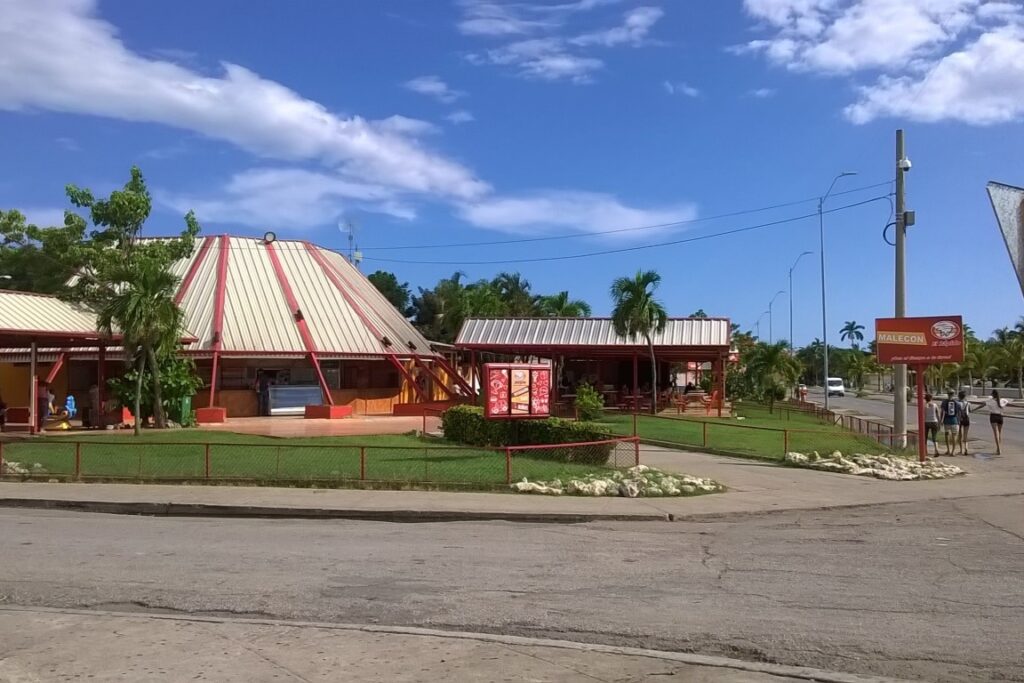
x=836 y=387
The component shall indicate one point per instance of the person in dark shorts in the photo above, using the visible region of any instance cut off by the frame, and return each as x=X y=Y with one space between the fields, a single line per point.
x=950 y=410
x=996 y=406
x=965 y=421
x=931 y=422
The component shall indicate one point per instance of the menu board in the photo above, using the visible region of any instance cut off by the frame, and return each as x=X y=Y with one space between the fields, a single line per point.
x=517 y=390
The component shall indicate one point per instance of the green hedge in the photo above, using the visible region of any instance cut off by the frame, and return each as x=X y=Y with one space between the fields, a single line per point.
x=467 y=425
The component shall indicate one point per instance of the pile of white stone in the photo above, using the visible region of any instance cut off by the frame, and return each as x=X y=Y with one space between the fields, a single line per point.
x=879 y=466
x=12 y=467
x=640 y=481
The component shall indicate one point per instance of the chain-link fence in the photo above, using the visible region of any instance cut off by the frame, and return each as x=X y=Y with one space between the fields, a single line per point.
x=568 y=460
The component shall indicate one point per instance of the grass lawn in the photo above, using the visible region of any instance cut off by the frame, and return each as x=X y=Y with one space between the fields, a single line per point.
x=180 y=455
x=806 y=433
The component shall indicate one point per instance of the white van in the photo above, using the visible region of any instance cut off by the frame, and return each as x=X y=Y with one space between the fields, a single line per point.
x=835 y=387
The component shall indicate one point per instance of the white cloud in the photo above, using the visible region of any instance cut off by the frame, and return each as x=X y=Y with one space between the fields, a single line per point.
x=680 y=88
x=460 y=116
x=981 y=84
x=931 y=60
x=69 y=144
x=633 y=31
x=763 y=93
x=403 y=125
x=43 y=216
x=583 y=212
x=543 y=59
x=552 y=53
x=434 y=87
x=45 y=43
x=285 y=198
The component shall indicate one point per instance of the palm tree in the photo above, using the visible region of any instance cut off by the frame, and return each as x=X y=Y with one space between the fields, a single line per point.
x=773 y=369
x=856 y=366
x=983 y=359
x=853 y=332
x=142 y=307
x=515 y=291
x=638 y=314
x=561 y=306
x=1013 y=355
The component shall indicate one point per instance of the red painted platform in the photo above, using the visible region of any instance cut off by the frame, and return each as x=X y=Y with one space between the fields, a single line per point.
x=211 y=415
x=327 y=412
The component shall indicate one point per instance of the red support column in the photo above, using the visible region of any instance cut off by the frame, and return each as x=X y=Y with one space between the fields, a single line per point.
x=101 y=388
x=408 y=377
x=55 y=368
x=33 y=389
x=218 y=312
x=454 y=373
x=423 y=366
x=636 y=384
x=922 y=442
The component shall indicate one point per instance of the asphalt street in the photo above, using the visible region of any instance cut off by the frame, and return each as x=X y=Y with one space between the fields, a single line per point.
x=929 y=591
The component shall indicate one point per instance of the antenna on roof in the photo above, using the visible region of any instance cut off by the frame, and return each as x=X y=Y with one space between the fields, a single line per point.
x=354 y=255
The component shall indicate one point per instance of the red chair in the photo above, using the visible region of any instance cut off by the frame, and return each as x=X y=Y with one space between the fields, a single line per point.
x=714 y=402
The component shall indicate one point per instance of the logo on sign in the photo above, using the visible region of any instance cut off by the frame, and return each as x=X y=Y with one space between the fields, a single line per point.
x=945 y=329
x=912 y=338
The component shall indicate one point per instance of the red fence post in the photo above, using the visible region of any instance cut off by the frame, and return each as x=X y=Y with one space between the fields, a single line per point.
x=206 y=458
x=705 y=430
x=78 y=460
x=508 y=465
x=362 y=463
x=1 y=458
x=785 y=441
x=634 y=424
x=277 y=469
x=636 y=451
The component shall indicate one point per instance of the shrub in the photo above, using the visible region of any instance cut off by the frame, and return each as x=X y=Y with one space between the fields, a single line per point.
x=589 y=403
x=467 y=425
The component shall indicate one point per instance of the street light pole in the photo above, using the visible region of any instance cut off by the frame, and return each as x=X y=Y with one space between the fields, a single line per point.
x=792 y=344
x=771 y=334
x=757 y=324
x=821 y=244
x=899 y=417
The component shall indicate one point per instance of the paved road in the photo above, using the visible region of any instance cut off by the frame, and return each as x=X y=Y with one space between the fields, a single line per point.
x=981 y=434
x=928 y=590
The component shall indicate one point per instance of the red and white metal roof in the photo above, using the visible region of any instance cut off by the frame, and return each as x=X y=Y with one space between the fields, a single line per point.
x=245 y=296
x=25 y=316
x=552 y=333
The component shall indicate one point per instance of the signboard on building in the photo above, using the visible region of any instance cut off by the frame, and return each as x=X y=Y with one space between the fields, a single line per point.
x=516 y=390
x=920 y=341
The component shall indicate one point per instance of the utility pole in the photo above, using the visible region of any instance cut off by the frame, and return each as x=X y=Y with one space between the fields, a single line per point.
x=899 y=399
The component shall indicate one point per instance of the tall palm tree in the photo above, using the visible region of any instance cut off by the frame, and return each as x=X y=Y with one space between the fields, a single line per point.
x=638 y=313
x=856 y=367
x=853 y=332
x=773 y=369
x=1013 y=355
x=561 y=306
x=141 y=305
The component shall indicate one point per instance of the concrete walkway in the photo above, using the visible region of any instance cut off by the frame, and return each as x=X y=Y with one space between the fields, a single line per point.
x=754 y=487
x=65 y=645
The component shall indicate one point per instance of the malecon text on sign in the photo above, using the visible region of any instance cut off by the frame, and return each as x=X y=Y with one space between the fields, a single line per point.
x=920 y=341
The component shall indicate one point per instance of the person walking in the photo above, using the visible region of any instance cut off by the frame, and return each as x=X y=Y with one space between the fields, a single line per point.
x=931 y=422
x=950 y=410
x=996 y=406
x=965 y=421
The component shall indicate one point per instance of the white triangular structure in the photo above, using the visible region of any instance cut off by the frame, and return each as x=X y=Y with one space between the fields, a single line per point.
x=1008 y=203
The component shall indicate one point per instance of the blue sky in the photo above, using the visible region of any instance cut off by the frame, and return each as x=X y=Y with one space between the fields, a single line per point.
x=453 y=121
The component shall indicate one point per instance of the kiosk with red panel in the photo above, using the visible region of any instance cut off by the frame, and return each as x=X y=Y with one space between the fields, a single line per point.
x=516 y=391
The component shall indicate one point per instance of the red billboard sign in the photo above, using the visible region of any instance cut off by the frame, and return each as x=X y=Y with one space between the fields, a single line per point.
x=920 y=341
x=516 y=390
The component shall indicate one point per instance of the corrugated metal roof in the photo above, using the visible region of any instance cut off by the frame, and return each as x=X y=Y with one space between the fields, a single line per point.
x=596 y=332
x=28 y=312
x=344 y=312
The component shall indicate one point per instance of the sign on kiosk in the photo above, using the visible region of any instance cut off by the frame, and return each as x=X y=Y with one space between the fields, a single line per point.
x=920 y=341
x=516 y=390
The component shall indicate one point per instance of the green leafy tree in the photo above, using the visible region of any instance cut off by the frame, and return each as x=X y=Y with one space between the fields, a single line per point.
x=39 y=259
x=439 y=312
x=1013 y=356
x=857 y=365
x=589 y=403
x=394 y=291
x=129 y=282
x=561 y=306
x=853 y=332
x=637 y=313
x=773 y=368
x=983 y=360
x=699 y=313
x=514 y=291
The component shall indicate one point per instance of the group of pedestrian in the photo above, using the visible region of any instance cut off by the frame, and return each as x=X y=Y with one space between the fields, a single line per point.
x=954 y=416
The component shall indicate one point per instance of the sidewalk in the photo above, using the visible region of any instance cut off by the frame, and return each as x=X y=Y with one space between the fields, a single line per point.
x=64 y=645
x=754 y=487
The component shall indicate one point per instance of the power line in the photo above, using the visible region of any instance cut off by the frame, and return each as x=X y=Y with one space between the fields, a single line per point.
x=578 y=235
x=629 y=249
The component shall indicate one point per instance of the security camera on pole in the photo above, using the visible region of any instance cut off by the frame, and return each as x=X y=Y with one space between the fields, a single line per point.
x=904 y=219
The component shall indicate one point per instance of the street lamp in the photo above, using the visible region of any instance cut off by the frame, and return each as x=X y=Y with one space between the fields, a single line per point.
x=792 y=344
x=771 y=334
x=757 y=325
x=821 y=242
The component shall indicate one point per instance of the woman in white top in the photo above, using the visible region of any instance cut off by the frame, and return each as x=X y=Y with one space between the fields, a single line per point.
x=995 y=407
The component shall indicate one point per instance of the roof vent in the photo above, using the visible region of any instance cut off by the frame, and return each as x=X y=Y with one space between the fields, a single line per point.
x=298 y=315
x=385 y=341
x=411 y=346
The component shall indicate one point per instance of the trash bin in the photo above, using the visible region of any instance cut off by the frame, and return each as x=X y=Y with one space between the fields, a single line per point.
x=181 y=412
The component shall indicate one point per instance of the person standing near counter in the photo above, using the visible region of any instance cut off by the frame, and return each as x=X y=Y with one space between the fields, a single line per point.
x=263 y=389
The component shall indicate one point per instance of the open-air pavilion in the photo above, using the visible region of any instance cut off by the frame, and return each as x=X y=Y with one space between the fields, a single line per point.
x=588 y=349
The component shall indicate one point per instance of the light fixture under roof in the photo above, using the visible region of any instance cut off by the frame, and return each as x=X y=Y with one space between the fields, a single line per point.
x=269 y=237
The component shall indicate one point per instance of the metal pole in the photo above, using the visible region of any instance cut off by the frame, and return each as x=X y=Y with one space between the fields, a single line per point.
x=824 y=319
x=899 y=415
x=792 y=344
x=771 y=333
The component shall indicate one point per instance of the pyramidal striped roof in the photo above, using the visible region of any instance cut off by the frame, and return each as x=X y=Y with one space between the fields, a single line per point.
x=247 y=296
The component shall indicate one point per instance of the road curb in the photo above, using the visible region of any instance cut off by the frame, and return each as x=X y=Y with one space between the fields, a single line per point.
x=272 y=512
x=798 y=672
